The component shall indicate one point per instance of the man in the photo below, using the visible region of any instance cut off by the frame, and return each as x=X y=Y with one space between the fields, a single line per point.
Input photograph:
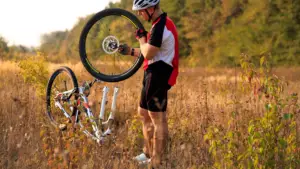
x=160 y=50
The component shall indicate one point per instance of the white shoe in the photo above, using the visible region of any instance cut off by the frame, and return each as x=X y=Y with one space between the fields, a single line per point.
x=142 y=159
x=145 y=162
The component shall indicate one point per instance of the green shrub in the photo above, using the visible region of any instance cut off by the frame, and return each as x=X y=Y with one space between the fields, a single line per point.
x=271 y=140
x=34 y=71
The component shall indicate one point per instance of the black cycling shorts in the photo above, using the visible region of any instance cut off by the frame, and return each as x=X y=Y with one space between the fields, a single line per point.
x=154 y=95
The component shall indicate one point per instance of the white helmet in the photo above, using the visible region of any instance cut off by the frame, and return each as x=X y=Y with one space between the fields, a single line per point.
x=143 y=4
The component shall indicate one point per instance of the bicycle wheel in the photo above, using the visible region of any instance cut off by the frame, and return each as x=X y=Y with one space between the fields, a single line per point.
x=99 y=41
x=61 y=96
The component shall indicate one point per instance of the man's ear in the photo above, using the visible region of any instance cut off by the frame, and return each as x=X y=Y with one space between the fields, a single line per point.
x=152 y=9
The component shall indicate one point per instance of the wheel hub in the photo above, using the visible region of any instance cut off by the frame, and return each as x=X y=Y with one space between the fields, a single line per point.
x=110 y=44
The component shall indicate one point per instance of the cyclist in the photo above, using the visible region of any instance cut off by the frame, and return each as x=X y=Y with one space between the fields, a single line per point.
x=161 y=53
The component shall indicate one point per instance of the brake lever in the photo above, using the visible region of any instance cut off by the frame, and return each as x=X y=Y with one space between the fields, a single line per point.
x=94 y=81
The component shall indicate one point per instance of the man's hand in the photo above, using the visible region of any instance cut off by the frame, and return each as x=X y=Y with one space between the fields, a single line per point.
x=124 y=49
x=139 y=33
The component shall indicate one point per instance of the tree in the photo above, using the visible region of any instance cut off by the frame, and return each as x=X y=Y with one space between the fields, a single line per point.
x=211 y=32
x=3 y=48
x=51 y=42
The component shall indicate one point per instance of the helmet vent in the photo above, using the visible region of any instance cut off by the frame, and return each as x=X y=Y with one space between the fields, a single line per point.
x=140 y=2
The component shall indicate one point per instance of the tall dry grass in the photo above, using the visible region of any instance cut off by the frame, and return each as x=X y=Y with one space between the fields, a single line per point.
x=201 y=98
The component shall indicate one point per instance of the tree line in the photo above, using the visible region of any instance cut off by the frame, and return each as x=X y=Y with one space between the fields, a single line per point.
x=211 y=32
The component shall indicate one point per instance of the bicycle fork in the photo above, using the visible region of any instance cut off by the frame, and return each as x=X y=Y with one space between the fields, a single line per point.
x=111 y=117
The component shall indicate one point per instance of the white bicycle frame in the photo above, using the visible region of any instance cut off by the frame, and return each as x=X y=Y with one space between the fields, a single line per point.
x=98 y=127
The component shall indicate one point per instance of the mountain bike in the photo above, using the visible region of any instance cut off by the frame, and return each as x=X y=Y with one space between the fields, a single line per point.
x=99 y=42
x=67 y=103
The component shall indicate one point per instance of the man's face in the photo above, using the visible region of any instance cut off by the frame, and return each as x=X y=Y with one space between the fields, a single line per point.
x=143 y=14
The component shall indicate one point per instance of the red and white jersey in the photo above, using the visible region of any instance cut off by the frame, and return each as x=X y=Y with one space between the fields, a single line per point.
x=163 y=35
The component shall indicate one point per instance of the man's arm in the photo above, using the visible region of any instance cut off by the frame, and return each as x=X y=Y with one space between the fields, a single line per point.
x=148 y=51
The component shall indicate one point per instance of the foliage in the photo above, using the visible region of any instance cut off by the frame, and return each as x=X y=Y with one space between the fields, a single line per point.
x=201 y=98
x=135 y=134
x=3 y=45
x=52 y=43
x=270 y=140
x=66 y=149
x=3 y=48
x=211 y=32
x=34 y=71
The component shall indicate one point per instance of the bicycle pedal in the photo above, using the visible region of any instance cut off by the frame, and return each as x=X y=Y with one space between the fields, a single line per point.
x=62 y=127
x=107 y=132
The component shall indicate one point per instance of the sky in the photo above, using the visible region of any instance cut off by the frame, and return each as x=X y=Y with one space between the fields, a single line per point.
x=22 y=22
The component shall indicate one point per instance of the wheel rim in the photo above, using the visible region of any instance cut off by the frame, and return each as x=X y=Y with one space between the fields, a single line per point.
x=61 y=83
x=99 y=52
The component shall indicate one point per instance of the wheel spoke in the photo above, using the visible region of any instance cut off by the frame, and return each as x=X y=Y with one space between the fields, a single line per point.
x=102 y=41
x=63 y=79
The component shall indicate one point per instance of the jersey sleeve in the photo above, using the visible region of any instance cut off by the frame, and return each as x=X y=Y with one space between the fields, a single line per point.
x=156 y=33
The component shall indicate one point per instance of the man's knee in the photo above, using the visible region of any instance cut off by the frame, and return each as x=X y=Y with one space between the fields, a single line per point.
x=158 y=118
x=143 y=113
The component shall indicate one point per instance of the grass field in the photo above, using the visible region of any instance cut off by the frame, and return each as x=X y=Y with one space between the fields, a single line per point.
x=201 y=98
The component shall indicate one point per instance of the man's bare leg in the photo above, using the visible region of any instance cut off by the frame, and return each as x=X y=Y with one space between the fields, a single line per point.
x=159 y=120
x=148 y=130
